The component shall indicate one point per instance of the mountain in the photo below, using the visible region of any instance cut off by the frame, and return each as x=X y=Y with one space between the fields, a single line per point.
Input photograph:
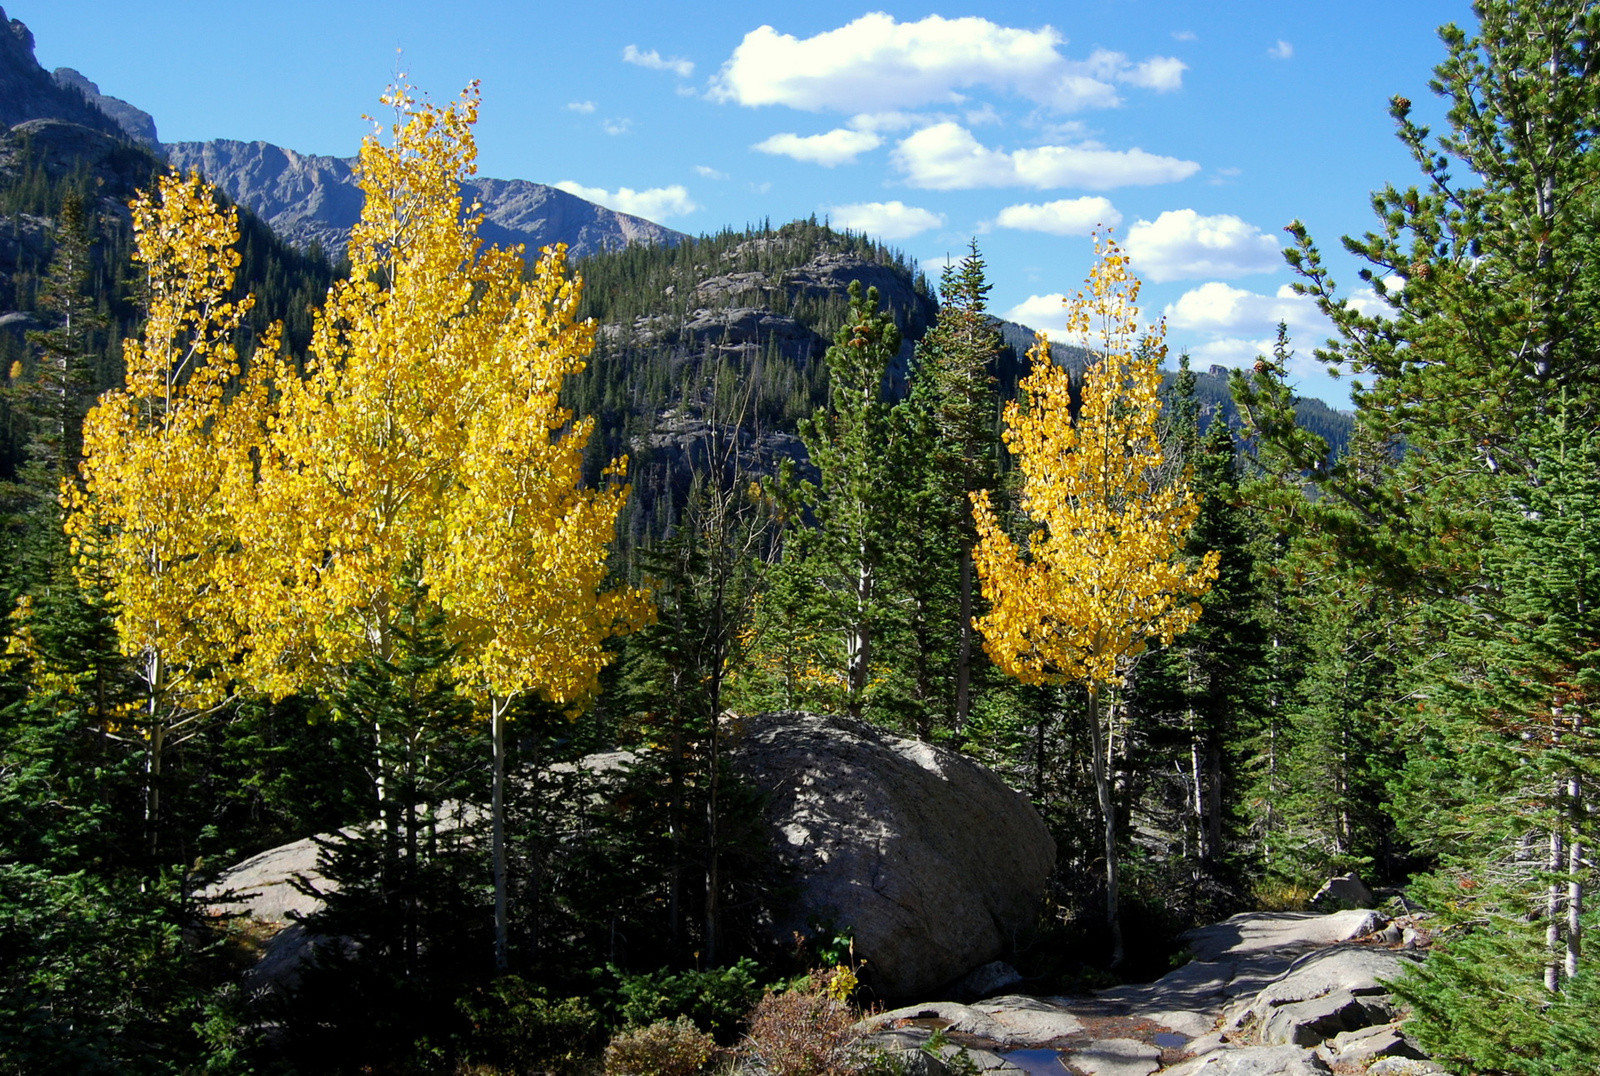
x=313 y=200
x=136 y=123
x=27 y=92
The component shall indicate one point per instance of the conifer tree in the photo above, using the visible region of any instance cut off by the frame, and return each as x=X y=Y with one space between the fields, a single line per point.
x=853 y=501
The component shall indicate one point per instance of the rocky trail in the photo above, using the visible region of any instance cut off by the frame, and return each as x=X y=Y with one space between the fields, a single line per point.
x=1264 y=994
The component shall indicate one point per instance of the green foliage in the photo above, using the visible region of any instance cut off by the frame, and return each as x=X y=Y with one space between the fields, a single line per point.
x=716 y=999
x=517 y=1027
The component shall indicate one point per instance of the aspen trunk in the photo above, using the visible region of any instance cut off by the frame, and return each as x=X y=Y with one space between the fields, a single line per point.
x=1102 y=783
x=1574 y=954
x=1552 y=928
x=497 y=723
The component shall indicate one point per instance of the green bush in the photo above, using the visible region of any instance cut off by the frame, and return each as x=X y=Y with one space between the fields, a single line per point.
x=675 y=1048
x=516 y=1027
x=716 y=1000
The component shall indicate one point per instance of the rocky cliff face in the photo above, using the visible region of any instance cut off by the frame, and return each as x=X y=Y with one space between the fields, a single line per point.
x=136 y=123
x=313 y=199
x=27 y=92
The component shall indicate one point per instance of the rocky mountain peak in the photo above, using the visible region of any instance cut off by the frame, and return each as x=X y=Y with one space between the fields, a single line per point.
x=27 y=92
x=136 y=123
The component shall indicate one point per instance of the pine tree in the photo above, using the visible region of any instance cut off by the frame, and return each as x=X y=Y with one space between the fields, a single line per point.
x=953 y=384
x=854 y=499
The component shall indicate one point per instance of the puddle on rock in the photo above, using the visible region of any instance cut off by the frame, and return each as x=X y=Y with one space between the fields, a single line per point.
x=1037 y=1062
x=1170 y=1040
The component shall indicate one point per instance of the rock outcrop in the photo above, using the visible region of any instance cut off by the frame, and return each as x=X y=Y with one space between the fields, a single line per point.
x=307 y=198
x=926 y=855
x=136 y=123
x=1294 y=995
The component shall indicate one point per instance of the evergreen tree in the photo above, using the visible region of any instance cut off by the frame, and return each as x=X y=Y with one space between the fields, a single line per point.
x=854 y=499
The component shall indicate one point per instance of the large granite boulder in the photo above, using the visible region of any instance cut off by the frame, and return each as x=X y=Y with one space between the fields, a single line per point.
x=926 y=855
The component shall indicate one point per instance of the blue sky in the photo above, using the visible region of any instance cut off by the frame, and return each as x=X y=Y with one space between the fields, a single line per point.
x=1198 y=128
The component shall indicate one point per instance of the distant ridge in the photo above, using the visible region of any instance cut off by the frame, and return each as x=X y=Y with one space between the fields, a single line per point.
x=313 y=200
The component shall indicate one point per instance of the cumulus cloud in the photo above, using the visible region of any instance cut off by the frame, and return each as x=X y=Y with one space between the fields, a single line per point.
x=1041 y=313
x=886 y=220
x=584 y=107
x=1224 y=310
x=1185 y=35
x=1070 y=216
x=656 y=62
x=1281 y=51
x=945 y=156
x=617 y=127
x=709 y=172
x=653 y=204
x=838 y=146
x=878 y=122
x=879 y=64
x=1181 y=244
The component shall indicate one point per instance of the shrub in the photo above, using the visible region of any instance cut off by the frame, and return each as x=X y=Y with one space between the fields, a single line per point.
x=675 y=1048
x=517 y=1028
x=804 y=1032
x=716 y=1000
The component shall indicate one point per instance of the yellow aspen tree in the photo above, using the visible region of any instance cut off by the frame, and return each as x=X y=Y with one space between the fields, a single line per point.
x=425 y=458
x=149 y=524
x=1103 y=572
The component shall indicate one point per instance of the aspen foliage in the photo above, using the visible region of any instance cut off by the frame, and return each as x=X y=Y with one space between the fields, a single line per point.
x=425 y=452
x=150 y=522
x=1103 y=572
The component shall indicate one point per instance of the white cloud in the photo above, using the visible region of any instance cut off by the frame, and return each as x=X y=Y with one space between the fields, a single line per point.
x=886 y=220
x=838 y=146
x=709 y=172
x=946 y=157
x=1070 y=216
x=1281 y=51
x=1041 y=313
x=1185 y=35
x=653 y=204
x=616 y=127
x=878 y=122
x=584 y=107
x=1224 y=310
x=1181 y=244
x=656 y=62
x=878 y=64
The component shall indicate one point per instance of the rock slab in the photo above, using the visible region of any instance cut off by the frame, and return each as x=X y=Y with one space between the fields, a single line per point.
x=926 y=855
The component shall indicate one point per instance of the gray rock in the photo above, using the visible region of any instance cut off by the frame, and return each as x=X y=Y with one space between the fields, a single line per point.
x=1327 y=992
x=1254 y=1061
x=925 y=854
x=1366 y=1045
x=136 y=123
x=1403 y=1066
x=987 y=981
x=1016 y=1020
x=27 y=92
x=1117 y=1057
x=1311 y=1022
x=1012 y=1021
x=1343 y=891
x=1253 y=932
